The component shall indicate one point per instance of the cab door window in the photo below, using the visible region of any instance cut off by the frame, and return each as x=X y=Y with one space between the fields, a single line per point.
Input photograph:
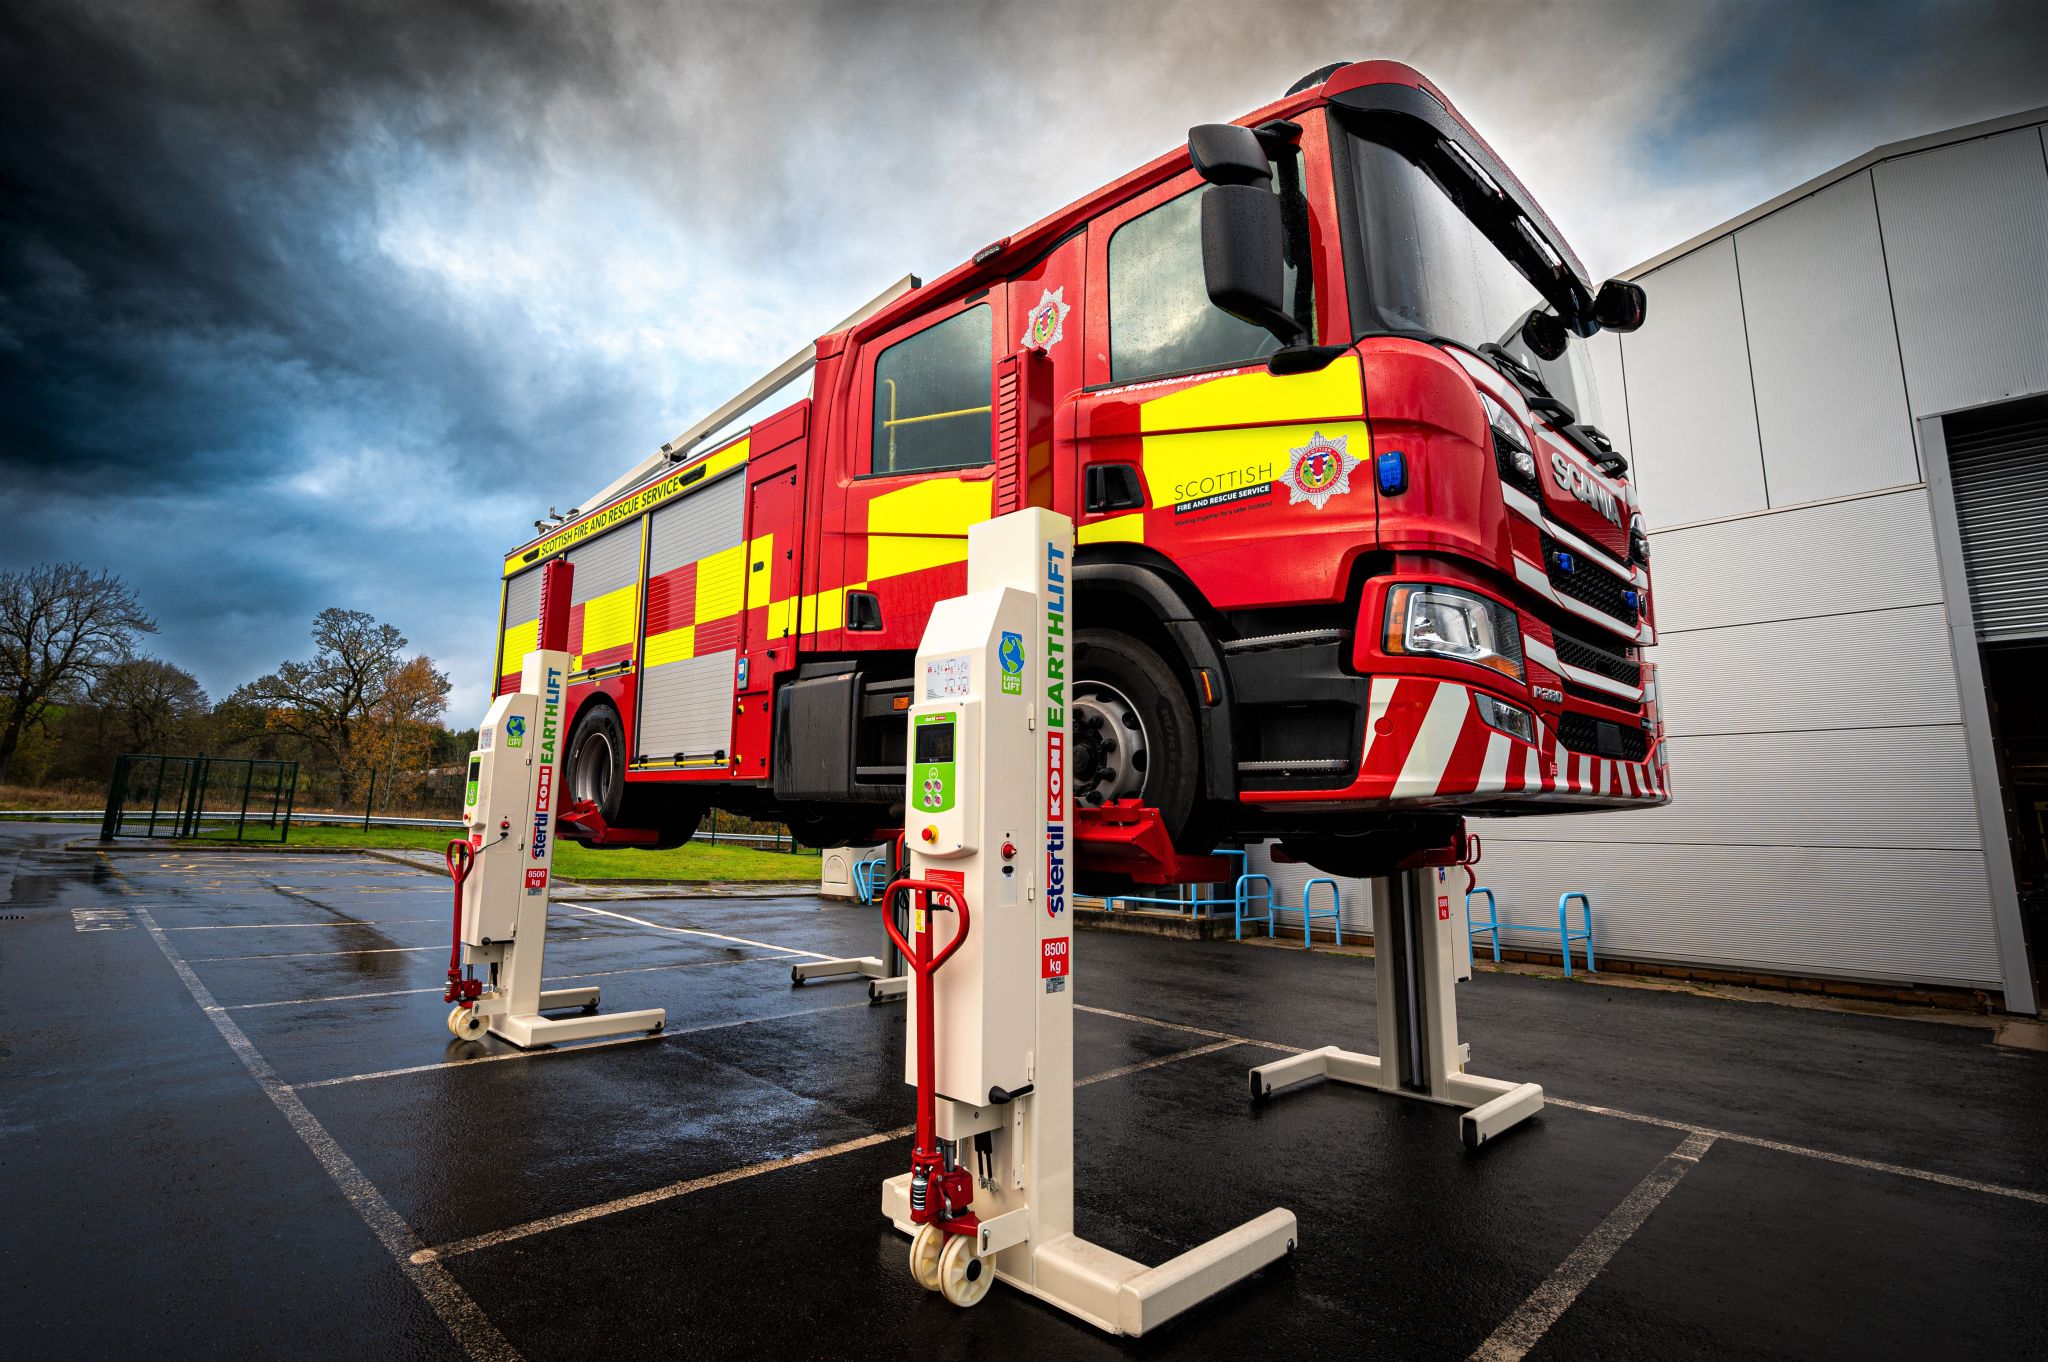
x=1160 y=318
x=932 y=397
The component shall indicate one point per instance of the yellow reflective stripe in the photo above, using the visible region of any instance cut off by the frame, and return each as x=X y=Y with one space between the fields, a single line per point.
x=520 y=640
x=609 y=620
x=1260 y=398
x=673 y=646
x=1203 y=463
x=1122 y=529
x=782 y=618
x=720 y=584
x=906 y=527
x=826 y=610
x=760 y=570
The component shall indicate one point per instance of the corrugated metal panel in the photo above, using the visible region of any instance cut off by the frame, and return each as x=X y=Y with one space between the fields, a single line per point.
x=1866 y=554
x=1966 y=237
x=1908 y=916
x=1355 y=897
x=1878 y=787
x=1692 y=415
x=1999 y=469
x=1881 y=669
x=606 y=563
x=522 y=599
x=702 y=523
x=1829 y=394
x=686 y=707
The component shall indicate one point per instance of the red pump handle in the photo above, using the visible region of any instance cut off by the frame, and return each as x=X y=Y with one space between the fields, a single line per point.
x=927 y=888
x=460 y=857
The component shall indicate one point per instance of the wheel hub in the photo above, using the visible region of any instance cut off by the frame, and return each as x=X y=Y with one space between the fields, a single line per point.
x=592 y=774
x=1111 y=746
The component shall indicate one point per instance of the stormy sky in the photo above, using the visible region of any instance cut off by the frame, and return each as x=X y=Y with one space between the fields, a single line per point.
x=309 y=303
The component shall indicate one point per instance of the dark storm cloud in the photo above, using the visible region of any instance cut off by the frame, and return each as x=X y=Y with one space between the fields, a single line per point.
x=305 y=303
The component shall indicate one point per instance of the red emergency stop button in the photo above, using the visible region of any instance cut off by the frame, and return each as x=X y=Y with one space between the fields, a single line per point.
x=1009 y=851
x=931 y=832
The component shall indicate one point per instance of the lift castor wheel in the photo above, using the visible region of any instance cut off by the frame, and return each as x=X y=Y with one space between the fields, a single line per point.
x=656 y=1029
x=964 y=1275
x=926 y=1247
x=795 y=980
x=468 y=1024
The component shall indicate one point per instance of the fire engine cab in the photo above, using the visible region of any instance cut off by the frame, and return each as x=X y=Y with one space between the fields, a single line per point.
x=1353 y=556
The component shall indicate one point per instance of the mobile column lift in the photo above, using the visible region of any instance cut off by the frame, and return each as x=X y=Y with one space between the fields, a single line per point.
x=1419 y=954
x=990 y=1049
x=503 y=871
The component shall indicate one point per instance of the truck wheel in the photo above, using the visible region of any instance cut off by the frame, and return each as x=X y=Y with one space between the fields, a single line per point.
x=1132 y=734
x=596 y=762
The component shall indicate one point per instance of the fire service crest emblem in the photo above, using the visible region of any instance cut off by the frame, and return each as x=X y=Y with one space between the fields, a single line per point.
x=1319 y=470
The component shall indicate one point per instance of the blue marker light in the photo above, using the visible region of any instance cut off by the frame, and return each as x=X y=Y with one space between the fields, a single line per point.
x=1632 y=599
x=1566 y=564
x=1392 y=467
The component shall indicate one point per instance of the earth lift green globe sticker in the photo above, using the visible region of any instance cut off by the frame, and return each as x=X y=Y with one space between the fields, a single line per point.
x=1011 y=654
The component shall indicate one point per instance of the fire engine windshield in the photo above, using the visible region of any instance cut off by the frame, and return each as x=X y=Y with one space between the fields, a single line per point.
x=1431 y=271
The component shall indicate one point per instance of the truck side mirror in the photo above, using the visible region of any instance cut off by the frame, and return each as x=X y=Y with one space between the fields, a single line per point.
x=1243 y=256
x=1224 y=153
x=1620 y=305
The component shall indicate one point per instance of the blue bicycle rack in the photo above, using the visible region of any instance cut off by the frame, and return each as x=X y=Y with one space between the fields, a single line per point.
x=1309 y=912
x=1196 y=907
x=868 y=873
x=1565 y=935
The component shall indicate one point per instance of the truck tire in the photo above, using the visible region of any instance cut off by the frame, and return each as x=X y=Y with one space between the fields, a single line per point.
x=594 y=768
x=1131 y=734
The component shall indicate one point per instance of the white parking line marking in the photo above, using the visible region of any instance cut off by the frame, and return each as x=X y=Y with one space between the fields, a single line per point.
x=281 y=926
x=689 y=1185
x=377 y=950
x=694 y=931
x=549 y=979
x=1521 y=1331
x=472 y=1329
x=574 y=1049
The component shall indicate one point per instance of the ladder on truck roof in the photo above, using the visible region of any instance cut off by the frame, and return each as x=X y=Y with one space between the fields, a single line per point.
x=678 y=449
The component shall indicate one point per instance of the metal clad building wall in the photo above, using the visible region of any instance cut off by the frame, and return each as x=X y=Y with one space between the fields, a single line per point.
x=1822 y=820
x=1692 y=415
x=697 y=526
x=1966 y=237
x=605 y=564
x=2000 y=476
x=1830 y=397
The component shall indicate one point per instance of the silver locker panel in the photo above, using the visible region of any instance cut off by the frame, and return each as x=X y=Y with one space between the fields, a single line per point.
x=1830 y=397
x=703 y=523
x=606 y=563
x=522 y=599
x=1692 y=414
x=686 y=707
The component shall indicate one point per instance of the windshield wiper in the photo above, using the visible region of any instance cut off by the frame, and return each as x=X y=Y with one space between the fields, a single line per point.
x=1530 y=382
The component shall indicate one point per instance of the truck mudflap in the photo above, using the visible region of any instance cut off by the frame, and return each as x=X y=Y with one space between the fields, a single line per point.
x=1428 y=744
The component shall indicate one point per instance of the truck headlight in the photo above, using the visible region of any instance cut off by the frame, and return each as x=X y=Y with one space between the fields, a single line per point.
x=1445 y=622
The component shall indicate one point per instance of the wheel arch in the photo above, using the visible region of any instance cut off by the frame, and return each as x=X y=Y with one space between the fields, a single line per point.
x=1184 y=633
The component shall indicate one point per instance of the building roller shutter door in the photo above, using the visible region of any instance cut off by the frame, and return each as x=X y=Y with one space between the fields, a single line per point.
x=1998 y=465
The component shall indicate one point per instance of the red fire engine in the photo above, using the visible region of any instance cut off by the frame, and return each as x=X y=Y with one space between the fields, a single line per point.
x=1353 y=557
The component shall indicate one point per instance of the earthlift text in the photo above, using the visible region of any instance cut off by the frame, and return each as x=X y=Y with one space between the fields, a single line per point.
x=544 y=784
x=1055 y=730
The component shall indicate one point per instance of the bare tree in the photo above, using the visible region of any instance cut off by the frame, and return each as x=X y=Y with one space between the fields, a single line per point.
x=357 y=701
x=61 y=624
x=146 y=704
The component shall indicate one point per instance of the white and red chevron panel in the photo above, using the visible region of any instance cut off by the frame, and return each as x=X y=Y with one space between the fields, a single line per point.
x=1425 y=743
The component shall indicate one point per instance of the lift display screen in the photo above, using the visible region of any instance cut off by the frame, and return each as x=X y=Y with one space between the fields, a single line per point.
x=934 y=742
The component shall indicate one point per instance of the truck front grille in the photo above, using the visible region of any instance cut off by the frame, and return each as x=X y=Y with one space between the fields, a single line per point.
x=1588 y=582
x=1602 y=737
x=1596 y=659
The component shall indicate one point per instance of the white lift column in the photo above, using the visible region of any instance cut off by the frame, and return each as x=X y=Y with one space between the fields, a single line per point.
x=509 y=810
x=1418 y=955
x=989 y=812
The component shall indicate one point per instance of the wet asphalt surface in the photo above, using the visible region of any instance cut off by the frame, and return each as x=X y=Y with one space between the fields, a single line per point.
x=154 y=1196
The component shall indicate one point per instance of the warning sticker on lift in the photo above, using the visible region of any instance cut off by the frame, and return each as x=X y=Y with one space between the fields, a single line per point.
x=536 y=881
x=1443 y=907
x=1053 y=957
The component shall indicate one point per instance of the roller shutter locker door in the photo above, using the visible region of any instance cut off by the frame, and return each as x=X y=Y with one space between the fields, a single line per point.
x=1998 y=464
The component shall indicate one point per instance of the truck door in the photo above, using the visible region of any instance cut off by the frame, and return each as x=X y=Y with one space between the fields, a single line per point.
x=768 y=618
x=919 y=466
x=1187 y=443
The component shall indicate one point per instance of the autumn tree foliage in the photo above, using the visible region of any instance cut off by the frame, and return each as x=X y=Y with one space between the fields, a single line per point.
x=61 y=626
